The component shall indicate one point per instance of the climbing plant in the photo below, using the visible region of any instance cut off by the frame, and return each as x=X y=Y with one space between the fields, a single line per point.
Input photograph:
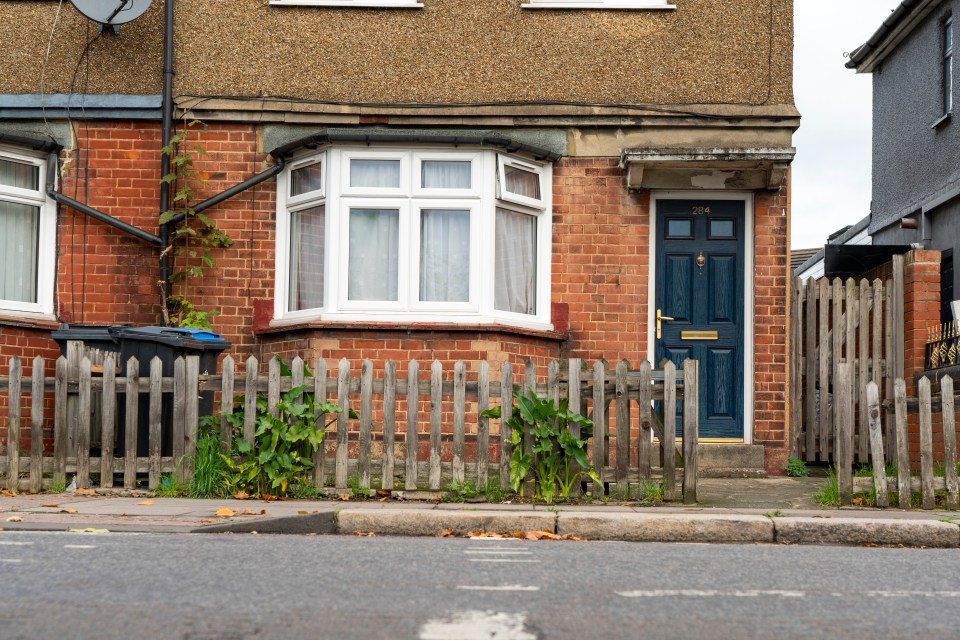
x=194 y=240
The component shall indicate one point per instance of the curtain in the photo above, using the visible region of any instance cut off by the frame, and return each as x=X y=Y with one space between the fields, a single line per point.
x=306 y=259
x=374 y=260
x=444 y=255
x=522 y=182
x=306 y=179
x=445 y=174
x=515 y=269
x=382 y=174
x=19 y=242
x=19 y=235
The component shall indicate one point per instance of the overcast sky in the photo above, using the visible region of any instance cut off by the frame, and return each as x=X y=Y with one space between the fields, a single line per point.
x=831 y=174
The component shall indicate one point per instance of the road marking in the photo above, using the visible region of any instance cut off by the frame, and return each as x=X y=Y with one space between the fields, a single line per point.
x=710 y=593
x=10 y=560
x=503 y=560
x=911 y=594
x=504 y=587
x=477 y=625
x=79 y=546
x=500 y=552
x=10 y=543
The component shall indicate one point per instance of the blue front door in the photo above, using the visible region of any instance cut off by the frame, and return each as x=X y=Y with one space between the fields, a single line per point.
x=699 y=293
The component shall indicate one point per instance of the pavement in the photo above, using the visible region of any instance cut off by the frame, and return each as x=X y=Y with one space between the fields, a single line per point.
x=753 y=510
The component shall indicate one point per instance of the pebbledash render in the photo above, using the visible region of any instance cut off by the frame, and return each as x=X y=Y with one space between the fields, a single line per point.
x=455 y=180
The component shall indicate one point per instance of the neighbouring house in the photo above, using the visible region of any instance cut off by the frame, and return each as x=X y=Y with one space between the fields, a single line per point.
x=844 y=261
x=456 y=180
x=916 y=143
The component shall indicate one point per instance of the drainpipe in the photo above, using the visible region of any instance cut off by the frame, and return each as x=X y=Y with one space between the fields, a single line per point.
x=166 y=130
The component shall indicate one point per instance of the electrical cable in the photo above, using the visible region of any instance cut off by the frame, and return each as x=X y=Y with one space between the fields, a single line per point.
x=43 y=69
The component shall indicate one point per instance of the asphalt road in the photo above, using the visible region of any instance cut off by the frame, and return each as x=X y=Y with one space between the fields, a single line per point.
x=239 y=587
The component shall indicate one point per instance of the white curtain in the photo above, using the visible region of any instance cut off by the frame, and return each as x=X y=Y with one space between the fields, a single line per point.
x=444 y=255
x=380 y=174
x=374 y=254
x=522 y=182
x=19 y=235
x=306 y=259
x=515 y=270
x=445 y=174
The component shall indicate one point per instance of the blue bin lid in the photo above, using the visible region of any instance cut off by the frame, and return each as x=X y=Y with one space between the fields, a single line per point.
x=174 y=336
x=197 y=334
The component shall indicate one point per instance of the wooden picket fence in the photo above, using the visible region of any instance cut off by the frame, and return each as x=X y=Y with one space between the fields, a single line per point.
x=832 y=323
x=926 y=405
x=644 y=403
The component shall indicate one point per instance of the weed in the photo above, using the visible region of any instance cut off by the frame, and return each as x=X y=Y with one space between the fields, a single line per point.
x=650 y=492
x=57 y=487
x=210 y=471
x=303 y=491
x=169 y=487
x=797 y=468
x=455 y=492
x=828 y=495
x=774 y=514
x=494 y=492
x=622 y=492
x=356 y=491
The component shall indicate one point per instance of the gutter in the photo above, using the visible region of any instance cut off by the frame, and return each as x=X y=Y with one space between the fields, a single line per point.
x=890 y=33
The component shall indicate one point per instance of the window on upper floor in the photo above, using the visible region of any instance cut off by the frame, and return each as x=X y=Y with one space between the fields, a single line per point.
x=350 y=3
x=599 y=4
x=27 y=234
x=947 y=61
x=414 y=235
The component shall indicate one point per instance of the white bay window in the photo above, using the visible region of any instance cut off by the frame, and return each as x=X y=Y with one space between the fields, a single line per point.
x=27 y=221
x=424 y=235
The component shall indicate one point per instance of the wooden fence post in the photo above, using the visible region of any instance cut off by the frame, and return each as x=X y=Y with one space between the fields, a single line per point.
x=950 y=443
x=389 y=424
x=876 y=444
x=645 y=435
x=436 y=412
x=926 y=445
x=413 y=411
x=83 y=425
x=811 y=420
x=903 y=451
x=226 y=405
x=155 y=439
x=366 y=422
x=132 y=419
x=191 y=417
x=36 y=425
x=60 y=423
x=108 y=427
x=459 y=421
x=483 y=426
x=250 y=399
x=179 y=415
x=320 y=397
x=573 y=404
x=691 y=417
x=844 y=430
x=825 y=422
x=668 y=446
x=599 y=424
x=343 y=400
x=506 y=412
x=623 y=426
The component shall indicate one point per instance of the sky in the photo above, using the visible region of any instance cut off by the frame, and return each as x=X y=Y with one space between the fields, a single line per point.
x=831 y=173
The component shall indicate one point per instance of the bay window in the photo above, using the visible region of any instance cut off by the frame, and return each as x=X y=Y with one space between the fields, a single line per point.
x=414 y=235
x=27 y=222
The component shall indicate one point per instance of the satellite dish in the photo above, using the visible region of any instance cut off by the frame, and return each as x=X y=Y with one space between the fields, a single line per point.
x=112 y=12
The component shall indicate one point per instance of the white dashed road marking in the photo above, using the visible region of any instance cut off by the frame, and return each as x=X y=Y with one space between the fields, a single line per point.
x=498 y=552
x=710 y=593
x=79 y=546
x=10 y=543
x=10 y=560
x=504 y=587
x=477 y=625
x=504 y=560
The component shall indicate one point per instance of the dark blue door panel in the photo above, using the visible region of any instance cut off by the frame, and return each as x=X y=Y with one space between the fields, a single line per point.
x=699 y=283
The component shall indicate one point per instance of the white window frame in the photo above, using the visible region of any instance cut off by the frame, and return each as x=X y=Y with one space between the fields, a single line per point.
x=399 y=4
x=482 y=201
x=598 y=4
x=46 y=235
x=504 y=161
x=471 y=305
x=310 y=195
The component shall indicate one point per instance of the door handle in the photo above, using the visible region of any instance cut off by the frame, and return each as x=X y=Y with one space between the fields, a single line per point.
x=660 y=319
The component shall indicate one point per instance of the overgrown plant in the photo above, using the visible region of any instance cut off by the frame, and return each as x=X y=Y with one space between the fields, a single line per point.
x=557 y=459
x=797 y=468
x=210 y=471
x=194 y=239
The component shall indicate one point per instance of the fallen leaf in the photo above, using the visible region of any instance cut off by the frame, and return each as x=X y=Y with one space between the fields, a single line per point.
x=365 y=534
x=241 y=495
x=250 y=512
x=9 y=494
x=869 y=544
x=447 y=533
x=123 y=515
x=14 y=519
x=52 y=505
x=301 y=513
x=68 y=510
x=383 y=493
x=486 y=534
x=146 y=503
x=85 y=492
x=225 y=513
x=822 y=516
x=263 y=511
x=206 y=521
x=89 y=530
x=858 y=501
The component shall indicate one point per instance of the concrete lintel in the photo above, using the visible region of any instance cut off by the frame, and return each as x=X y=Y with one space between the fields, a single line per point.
x=706 y=168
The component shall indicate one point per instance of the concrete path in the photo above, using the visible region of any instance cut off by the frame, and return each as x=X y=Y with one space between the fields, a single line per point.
x=774 y=510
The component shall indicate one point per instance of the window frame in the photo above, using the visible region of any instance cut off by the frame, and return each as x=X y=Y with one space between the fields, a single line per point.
x=504 y=161
x=598 y=4
x=46 y=232
x=946 y=66
x=481 y=201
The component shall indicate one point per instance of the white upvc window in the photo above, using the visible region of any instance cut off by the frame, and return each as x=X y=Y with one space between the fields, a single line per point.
x=599 y=4
x=27 y=234
x=414 y=235
x=408 y=4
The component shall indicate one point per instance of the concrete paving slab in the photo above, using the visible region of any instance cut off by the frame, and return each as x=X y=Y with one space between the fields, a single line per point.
x=765 y=493
x=860 y=531
x=433 y=522
x=667 y=527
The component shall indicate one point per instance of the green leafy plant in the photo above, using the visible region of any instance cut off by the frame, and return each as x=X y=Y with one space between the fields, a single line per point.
x=283 y=446
x=460 y=492
x=557 y=459
x=828 y=495
x=169 y=487
x=195 y=238
x=650 y=493
x=797 y=468
x=493 y=492
x=210 y=470
x=57 y=487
